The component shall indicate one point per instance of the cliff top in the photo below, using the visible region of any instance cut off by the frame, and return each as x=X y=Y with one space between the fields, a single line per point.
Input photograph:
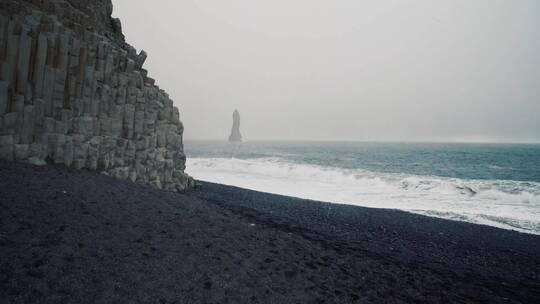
x=78 y=15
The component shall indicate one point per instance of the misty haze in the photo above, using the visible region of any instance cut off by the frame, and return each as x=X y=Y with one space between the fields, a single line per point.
x=270 y=151
x=347 y=70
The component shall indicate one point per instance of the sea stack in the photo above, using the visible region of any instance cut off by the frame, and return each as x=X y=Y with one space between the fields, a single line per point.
x=235 y=131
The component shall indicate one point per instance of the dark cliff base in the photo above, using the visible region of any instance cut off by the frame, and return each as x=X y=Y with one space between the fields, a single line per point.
x=79 y=237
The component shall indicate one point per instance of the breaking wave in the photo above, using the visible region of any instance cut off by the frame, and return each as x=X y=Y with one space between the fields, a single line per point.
x=501 y=203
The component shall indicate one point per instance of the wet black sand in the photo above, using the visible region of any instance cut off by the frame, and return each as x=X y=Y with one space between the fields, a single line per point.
x=79 y=237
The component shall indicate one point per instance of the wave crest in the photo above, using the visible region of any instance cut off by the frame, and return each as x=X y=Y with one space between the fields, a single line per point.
x=502 y=203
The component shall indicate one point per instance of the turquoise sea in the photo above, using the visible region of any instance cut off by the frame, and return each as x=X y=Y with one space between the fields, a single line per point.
x=491 y=184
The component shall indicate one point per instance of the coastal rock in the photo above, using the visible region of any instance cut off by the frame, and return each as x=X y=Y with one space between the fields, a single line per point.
x=73 y=92
x=235 y=131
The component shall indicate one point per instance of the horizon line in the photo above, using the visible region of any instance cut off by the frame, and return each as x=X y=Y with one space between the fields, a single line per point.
x=376 y=141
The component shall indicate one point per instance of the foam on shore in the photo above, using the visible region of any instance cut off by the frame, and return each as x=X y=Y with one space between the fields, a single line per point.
x=500 y=203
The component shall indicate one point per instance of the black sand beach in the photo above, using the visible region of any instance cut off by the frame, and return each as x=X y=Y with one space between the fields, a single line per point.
x=70 y=236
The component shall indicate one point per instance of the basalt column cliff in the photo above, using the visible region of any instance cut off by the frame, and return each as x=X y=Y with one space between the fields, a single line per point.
x=73 y=92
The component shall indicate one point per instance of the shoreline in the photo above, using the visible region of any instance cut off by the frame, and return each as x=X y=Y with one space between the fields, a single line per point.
x=375 y=227
x=426 y=213
x=79 y=236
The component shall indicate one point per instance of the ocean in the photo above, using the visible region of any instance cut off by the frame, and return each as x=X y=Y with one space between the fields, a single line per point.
x=490 y=184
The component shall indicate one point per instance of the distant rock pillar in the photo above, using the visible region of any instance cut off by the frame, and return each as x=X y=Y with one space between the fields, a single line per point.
x=235 y=131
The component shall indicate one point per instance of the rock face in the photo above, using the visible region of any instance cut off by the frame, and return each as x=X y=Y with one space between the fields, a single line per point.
x=235 y=131
x=73 y=92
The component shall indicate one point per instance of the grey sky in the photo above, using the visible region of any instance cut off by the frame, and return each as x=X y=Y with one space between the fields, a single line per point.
x=453 y=70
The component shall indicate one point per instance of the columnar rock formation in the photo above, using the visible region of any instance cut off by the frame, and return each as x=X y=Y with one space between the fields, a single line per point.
x=73 y=92
x=235 y=131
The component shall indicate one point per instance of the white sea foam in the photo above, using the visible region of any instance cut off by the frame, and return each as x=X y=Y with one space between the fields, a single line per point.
x=502 y=203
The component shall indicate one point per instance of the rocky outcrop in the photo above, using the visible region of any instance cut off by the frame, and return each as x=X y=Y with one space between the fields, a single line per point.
x=73 y=92
x=235 y=131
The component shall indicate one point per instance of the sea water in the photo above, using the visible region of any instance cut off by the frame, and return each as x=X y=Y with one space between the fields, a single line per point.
x=490 y=184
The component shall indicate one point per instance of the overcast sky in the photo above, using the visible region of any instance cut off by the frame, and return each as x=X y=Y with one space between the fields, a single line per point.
x=447 y=70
